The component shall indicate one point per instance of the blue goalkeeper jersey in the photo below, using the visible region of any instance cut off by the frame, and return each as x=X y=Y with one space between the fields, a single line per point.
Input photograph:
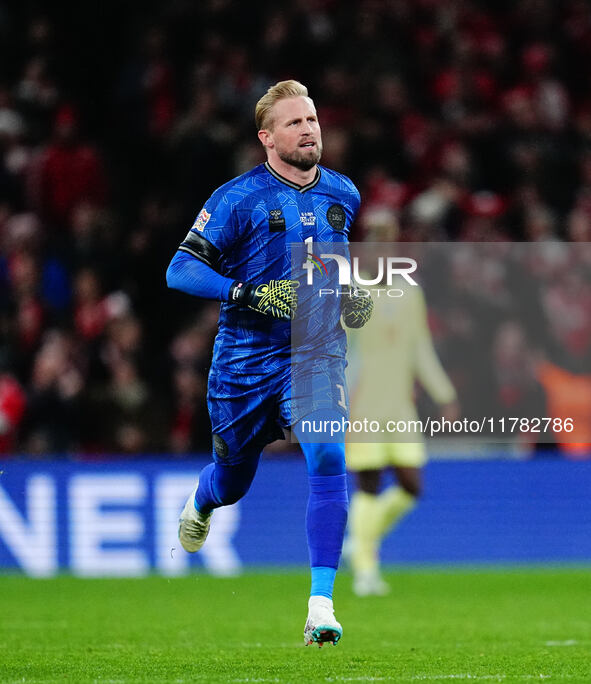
x=252 y=222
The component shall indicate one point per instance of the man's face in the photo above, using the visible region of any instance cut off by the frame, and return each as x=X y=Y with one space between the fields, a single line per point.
x=295 y=132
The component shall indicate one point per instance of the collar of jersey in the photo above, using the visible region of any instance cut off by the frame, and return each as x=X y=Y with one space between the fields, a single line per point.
x=295 y=186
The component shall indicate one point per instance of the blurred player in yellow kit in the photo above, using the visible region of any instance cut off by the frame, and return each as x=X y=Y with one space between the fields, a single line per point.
x=387 y=358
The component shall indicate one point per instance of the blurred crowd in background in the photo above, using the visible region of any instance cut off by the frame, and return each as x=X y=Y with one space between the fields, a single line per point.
x=458 y=120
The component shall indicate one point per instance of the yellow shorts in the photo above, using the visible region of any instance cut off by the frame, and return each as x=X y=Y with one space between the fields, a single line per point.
x=376 y=456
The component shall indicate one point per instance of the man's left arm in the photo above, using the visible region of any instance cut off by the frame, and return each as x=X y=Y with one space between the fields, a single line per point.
x=356 y=305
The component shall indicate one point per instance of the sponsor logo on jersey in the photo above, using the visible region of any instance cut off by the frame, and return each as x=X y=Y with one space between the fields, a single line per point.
x=276 y=221
x=201 y=220
x=307 y=218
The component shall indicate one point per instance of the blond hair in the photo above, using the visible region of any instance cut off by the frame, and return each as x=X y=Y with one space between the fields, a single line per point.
x=279 y=91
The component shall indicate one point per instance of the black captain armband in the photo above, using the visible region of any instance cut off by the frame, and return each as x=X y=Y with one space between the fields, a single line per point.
x=201 y=249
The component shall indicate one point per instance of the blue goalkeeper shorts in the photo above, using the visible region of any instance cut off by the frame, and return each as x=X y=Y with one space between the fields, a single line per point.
x=248 y=412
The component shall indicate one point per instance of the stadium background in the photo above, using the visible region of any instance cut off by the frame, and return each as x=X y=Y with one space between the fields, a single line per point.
x=458 y=121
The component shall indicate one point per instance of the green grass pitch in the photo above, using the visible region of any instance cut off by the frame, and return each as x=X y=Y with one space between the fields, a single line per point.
x=437 y=626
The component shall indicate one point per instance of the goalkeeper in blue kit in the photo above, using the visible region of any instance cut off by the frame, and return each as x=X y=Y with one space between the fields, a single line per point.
x=238 y=252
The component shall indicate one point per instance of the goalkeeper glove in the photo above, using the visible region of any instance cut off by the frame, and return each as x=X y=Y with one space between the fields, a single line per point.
x=355 y=307
x=277 y=298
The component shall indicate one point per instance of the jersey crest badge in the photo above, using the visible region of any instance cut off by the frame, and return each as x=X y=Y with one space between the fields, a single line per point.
x=201 y=220
x=336 y=216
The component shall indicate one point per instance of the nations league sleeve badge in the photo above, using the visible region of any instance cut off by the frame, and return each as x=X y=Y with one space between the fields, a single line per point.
x=336 y=217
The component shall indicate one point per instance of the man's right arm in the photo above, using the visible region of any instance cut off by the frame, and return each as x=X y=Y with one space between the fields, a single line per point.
x=192 y=270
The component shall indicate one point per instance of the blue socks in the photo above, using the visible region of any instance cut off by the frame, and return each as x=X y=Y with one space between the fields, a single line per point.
x=326 y=519
x=222 y=485
x=205 y=499
x=322 y=581
x=326 y=516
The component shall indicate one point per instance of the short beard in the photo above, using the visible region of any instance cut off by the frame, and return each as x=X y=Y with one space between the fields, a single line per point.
x=301 y=162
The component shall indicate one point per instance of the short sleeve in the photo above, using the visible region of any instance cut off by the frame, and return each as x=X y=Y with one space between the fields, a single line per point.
x=217 y=221
x=355 y=202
